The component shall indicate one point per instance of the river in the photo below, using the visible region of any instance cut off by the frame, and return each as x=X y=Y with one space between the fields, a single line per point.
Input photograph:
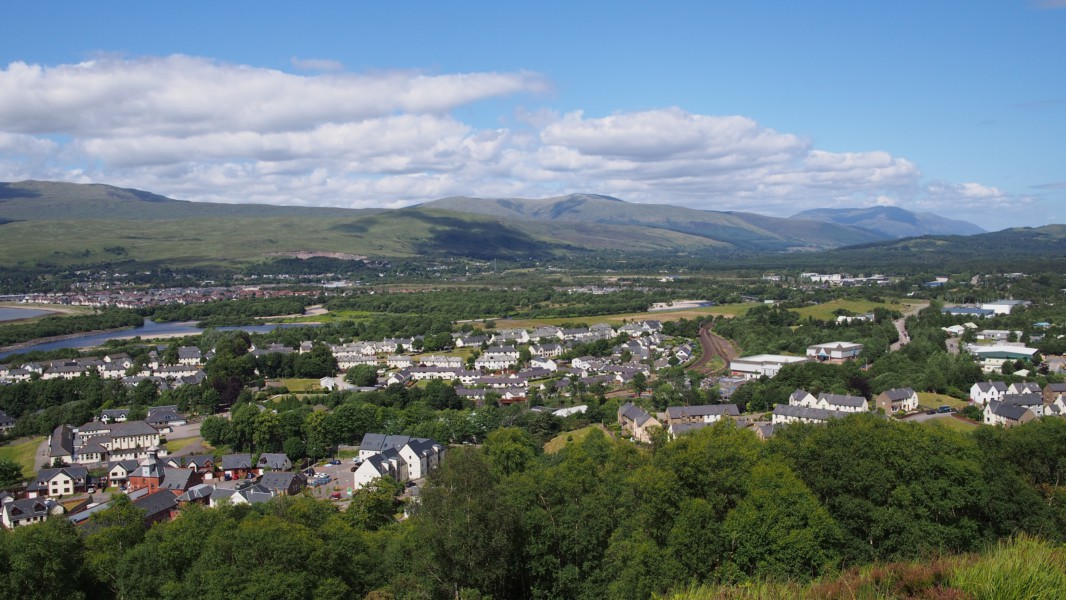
x=150 y=329
x=13 y=314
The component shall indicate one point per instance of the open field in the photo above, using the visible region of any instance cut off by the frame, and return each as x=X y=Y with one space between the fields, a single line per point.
x=951 y=423
x=930 y=400
x=301 y=385
x=174 y=446
x=560 y=441
x=22 y=452
x=827 y=311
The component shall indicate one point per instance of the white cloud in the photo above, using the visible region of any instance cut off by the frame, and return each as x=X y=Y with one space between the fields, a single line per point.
x=199 y=129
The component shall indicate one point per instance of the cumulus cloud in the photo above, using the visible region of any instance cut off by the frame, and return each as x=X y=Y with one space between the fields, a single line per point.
x=198 y=129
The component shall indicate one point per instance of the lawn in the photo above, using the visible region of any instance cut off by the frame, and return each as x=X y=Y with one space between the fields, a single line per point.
x=23 y=453
x=827 y=311
x=930 y=400
x=301 y=385
x=951 y=423
x=180 y=444
x=729 y=310
x=558 y=442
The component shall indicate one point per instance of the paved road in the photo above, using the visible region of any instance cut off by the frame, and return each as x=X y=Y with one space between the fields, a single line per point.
x=904 y=337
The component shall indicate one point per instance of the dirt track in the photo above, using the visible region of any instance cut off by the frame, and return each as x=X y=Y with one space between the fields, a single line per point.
x=713 y=345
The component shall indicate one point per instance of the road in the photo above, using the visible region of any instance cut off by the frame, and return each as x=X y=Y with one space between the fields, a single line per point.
x=904 y=337
x=713 y=345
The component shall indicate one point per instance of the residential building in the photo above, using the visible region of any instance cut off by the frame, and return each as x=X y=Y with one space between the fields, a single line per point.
x=637 y=422
x=897 y=400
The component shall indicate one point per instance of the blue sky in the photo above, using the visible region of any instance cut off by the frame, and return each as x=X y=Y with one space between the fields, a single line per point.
x=769 y=107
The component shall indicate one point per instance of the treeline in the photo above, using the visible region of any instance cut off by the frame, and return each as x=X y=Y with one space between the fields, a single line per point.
x=600 y=519
x=532 y=302
x=228 y=312
x=436 y=411
x=69 y=324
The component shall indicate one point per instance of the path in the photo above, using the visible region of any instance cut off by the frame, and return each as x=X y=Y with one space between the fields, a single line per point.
x=713 y=345
x=901 y=325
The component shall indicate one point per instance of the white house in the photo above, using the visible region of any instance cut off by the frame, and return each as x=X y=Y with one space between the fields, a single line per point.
x=984 y=392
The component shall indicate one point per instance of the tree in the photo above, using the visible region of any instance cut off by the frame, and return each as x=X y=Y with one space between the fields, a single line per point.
x=510 y=450
x=362 y=375
x=114 y=532
x=780 y=530
x=216 y=430
x=639 y=383
x=374 y=506
x=42 y=561
x=468 y=526
x=10 y=473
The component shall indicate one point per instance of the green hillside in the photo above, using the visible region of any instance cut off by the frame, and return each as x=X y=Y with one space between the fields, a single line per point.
x=744 y=231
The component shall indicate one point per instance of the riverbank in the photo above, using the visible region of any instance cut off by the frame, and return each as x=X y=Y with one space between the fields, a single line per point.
x=61 y=338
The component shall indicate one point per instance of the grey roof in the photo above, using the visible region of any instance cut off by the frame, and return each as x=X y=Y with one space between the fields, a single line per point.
x=82 y=516
x=986 y=386
x=197 y=492
x=74 y=472
x=1022 y=399
x=149 y=467
x=1056 y=387
x=132 y=428
x=236 y=461
x=687 y=427
x=198 y=460
x=62 y=442
x=1014 y=412
x=29 y=508
x=898 y=394
x=114 y=412
x=841 y=400
x=634 y=413
x=803 y=412
x=177 y=479
x=128 y=464
x=281 y=480
x=377 y=442
x=277 y=461
x=156 y=503
x=681 y=412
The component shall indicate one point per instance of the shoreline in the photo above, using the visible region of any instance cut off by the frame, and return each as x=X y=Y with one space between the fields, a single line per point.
x=57 y=338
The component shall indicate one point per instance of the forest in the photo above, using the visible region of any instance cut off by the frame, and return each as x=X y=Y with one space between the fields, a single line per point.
x=599 y=519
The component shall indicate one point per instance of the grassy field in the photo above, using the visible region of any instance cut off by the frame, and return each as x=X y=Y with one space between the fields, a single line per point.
x=301 y=385
x=1024 y=567
x=23 y=453
x=827 y=311
x=951 y=423
x=329 y=317
x=729 y=310
x=180 y=444
x=560 y=441
x=930 y=400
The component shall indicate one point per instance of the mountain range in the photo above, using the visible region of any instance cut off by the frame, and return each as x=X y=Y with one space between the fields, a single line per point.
x=59 y=223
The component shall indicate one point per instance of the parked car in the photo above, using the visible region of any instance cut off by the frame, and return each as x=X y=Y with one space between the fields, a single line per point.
x=945 y=409
x=334 y=462
x=931 y=412
x=335 y=496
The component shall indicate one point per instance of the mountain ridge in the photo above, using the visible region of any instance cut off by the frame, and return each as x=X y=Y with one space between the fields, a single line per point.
x=892 y=221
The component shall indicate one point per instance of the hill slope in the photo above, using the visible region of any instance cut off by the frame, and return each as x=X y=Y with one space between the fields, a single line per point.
x=743 y=231
x=58 y=201
x=891 y=221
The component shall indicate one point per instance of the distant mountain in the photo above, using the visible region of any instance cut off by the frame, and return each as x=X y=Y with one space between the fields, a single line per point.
x=54 y=200
x=729 y=230
x=891 y=221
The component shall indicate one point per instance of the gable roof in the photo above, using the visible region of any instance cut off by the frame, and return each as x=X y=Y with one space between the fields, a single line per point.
x=898 y=394
x=236 y=461
x=156 y=503
x=273 y=460
x=634 y=413
x=681 y=412
x=281 y=480
x=841 y=400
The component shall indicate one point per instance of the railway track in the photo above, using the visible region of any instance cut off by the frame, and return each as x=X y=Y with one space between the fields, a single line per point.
x=713 y=345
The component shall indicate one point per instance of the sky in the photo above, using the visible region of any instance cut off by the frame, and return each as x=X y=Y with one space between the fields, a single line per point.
x=956 y=108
